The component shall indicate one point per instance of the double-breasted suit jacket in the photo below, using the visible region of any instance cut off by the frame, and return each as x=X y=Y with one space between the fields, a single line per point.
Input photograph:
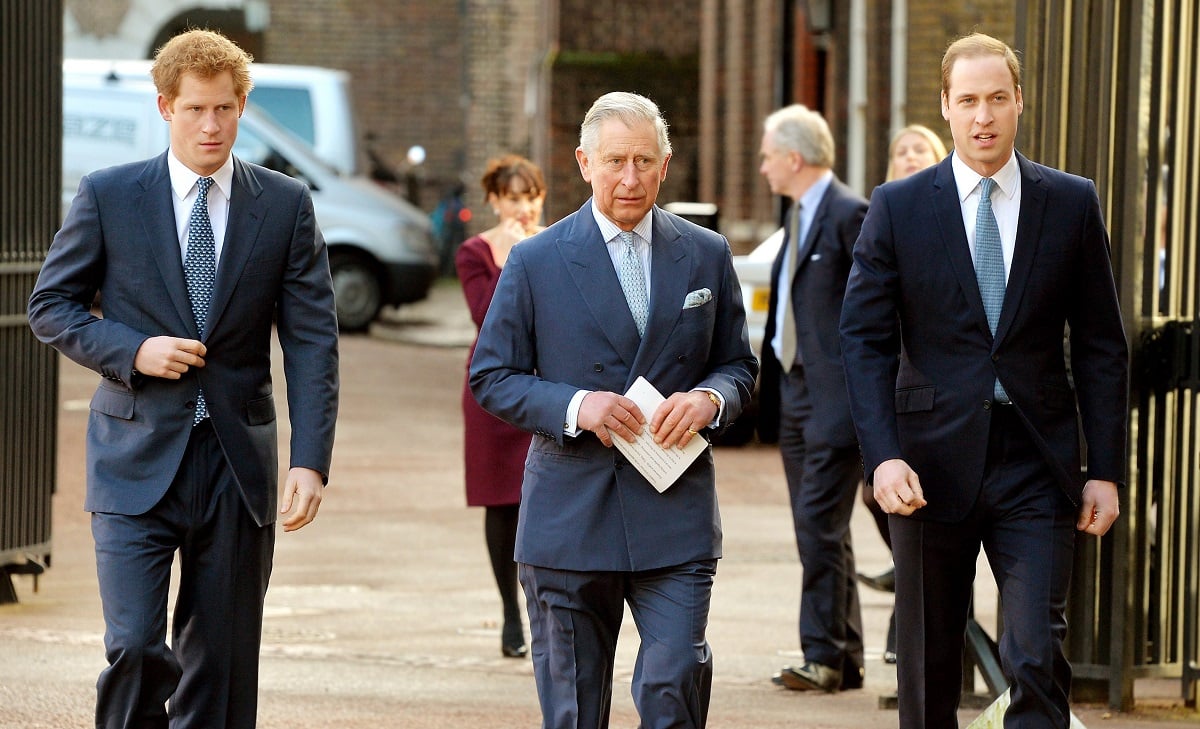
x=559 y=323
x=120 y=240
x=920 y=383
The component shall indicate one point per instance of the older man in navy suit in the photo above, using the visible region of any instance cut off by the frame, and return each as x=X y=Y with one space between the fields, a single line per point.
x=616 y=291
x=195 y=255
x=966 y=277
x=802 y=370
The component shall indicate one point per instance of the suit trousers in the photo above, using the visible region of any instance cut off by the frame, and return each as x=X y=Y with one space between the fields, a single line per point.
x=574 y=621
x=823 y=484
x=210 y=670
x=1026 y=525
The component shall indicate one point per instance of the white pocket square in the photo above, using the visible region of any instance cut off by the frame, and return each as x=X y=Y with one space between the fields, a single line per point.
x=699 y=297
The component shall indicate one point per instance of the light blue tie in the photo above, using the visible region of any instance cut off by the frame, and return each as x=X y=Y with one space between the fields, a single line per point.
x=989 y=265
x=633 y=282
x=788 y=349
x=200 y=271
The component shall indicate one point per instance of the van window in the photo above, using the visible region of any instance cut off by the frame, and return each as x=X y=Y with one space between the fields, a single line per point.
x=252 y=148
x=292 y=108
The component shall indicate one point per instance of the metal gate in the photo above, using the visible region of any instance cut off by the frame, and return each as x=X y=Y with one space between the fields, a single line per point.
x=30 y=135
x=1110 y=94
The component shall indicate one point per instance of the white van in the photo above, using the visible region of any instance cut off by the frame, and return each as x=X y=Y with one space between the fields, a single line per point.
x=313 y=103
x=381 y=248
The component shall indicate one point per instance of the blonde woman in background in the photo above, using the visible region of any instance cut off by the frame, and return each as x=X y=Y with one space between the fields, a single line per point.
x=913 y=148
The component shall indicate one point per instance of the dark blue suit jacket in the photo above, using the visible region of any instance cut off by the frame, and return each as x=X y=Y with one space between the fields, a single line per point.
x=817 y=292
x=920 y=358
x=559 y=323
x=119 y=239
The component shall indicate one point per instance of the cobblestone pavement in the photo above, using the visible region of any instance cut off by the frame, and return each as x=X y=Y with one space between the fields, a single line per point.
x=382 y=613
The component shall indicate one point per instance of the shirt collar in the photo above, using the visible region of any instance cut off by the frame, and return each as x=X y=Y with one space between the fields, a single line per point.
x=183 y=179
x=812 y=196
x=968 y=179
x=609 y=229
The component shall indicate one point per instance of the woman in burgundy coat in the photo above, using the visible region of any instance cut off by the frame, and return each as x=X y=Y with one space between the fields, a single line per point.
x=494 y=450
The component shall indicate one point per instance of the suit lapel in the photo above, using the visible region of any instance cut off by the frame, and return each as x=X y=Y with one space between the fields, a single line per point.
x=814 y=230
x=246 y=214
x=157 y=212
x=1029 y=228
x=948 y=211
x=669 y=277
x=592 y=272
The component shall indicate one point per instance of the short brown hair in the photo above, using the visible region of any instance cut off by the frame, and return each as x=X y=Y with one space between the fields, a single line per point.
x=205 y=53
x=501 y=171
x=974 y=46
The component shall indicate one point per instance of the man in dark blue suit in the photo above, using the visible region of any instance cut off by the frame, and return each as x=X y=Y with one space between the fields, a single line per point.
x=802 y=370
x=965 y=279
x=195 y=255
x=618 y=290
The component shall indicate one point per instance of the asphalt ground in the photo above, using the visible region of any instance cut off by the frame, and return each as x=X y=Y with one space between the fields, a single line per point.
x=383 y=613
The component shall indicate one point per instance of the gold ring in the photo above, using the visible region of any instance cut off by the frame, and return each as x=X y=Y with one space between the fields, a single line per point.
x=693 y=432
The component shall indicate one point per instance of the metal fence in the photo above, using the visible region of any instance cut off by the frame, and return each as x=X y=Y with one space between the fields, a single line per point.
x=1110 y=94
x=30 y=134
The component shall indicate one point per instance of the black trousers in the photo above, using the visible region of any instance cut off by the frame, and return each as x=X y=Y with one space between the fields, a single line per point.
x=1025 y=524
x=823 y=483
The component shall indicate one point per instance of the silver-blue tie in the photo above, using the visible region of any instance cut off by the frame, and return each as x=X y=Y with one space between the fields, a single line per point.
x=200 y=271
x=989 y=265
x=633 y=282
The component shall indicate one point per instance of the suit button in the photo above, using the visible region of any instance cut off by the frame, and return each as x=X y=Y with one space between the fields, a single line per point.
x=597 y=367
x=995 y=358
x=190 y=404
x=681 y=358
x=987 y=404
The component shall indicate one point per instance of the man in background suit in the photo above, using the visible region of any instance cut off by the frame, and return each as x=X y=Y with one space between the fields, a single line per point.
x=802 y=368
x=561 y=342
x=194 y=254
x=964 y=278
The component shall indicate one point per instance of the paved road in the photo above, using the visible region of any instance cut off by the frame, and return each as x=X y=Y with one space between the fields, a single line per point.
x=382 y=613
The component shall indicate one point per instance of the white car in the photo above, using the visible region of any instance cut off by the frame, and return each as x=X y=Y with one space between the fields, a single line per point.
x=754 y=274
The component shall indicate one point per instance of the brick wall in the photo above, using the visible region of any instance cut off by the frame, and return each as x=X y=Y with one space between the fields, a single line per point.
x=406 y=64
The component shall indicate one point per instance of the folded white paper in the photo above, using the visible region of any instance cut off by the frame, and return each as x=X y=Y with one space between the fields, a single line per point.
x=660 y=466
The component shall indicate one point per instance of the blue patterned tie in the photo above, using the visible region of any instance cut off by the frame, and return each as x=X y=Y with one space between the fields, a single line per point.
x=633 y=283
x=989 y=264
x=200 y=271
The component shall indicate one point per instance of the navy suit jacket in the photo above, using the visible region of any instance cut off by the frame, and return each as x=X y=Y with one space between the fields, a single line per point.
x=816 y=297
x=558 y=323
x=119 y=239
x=920 y=358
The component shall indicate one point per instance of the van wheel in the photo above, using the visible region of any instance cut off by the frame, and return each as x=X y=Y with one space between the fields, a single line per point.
x=356 y=291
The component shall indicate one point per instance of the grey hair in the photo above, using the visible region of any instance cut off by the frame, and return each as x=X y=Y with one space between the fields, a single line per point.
x=797 y=128
x=631 y=109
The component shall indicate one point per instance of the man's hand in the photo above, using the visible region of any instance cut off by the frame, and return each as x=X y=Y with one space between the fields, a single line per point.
x=897 y=488
x=681 y=417
x=1100 y=509
x=169 y=357
x=603 y=411
x=302 y=490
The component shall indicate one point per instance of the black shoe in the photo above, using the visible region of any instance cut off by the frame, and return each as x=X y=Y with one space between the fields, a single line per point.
x=884 y=581
x=811 y=677
x=889 y=657
x=852 y=680
x=512 y=640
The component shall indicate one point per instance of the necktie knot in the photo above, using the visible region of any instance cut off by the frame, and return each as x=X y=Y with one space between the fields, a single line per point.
x=204 y=183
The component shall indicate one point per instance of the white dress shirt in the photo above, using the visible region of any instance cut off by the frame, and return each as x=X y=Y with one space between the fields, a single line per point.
x=1006 y=203
x=183 y=185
